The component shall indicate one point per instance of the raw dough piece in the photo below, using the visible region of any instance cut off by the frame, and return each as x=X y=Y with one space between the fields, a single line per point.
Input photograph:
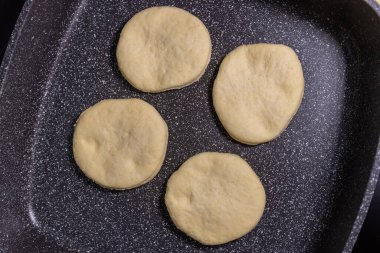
x=163 y=48
x=257 y=91
x=215 y=198
x=120 y=143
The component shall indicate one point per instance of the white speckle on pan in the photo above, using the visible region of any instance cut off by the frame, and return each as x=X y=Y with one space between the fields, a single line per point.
x=32 y=216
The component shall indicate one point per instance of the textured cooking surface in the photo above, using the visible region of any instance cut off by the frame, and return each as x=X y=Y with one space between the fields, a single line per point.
x=305 y=171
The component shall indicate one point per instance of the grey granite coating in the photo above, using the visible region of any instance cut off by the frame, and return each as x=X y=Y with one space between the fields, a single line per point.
x=319 y=175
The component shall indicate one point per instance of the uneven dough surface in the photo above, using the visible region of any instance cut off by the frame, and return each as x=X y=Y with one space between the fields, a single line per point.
x=215 y=198
x=257 y=91
x=120 y=143
x=163 y=48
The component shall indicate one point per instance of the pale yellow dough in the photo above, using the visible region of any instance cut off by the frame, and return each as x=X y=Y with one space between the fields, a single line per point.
x=163 y=48
x=257 y=91
x=120 y=143
x=215 y=198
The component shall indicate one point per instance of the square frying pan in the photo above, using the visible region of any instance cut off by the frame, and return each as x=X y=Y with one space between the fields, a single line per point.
x=319 y=175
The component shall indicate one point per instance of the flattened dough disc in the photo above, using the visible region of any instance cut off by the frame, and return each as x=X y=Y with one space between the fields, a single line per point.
x=163 y=48
x=215 y=198
x=120 y=143
x=257 y=91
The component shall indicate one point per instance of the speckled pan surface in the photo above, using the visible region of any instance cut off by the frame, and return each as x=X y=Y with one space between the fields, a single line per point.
x=319 y=175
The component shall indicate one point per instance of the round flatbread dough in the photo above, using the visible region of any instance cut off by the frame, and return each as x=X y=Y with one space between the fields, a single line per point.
x=120 y=143
x=257 y=91
x=163 y=48
x=215 y=198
